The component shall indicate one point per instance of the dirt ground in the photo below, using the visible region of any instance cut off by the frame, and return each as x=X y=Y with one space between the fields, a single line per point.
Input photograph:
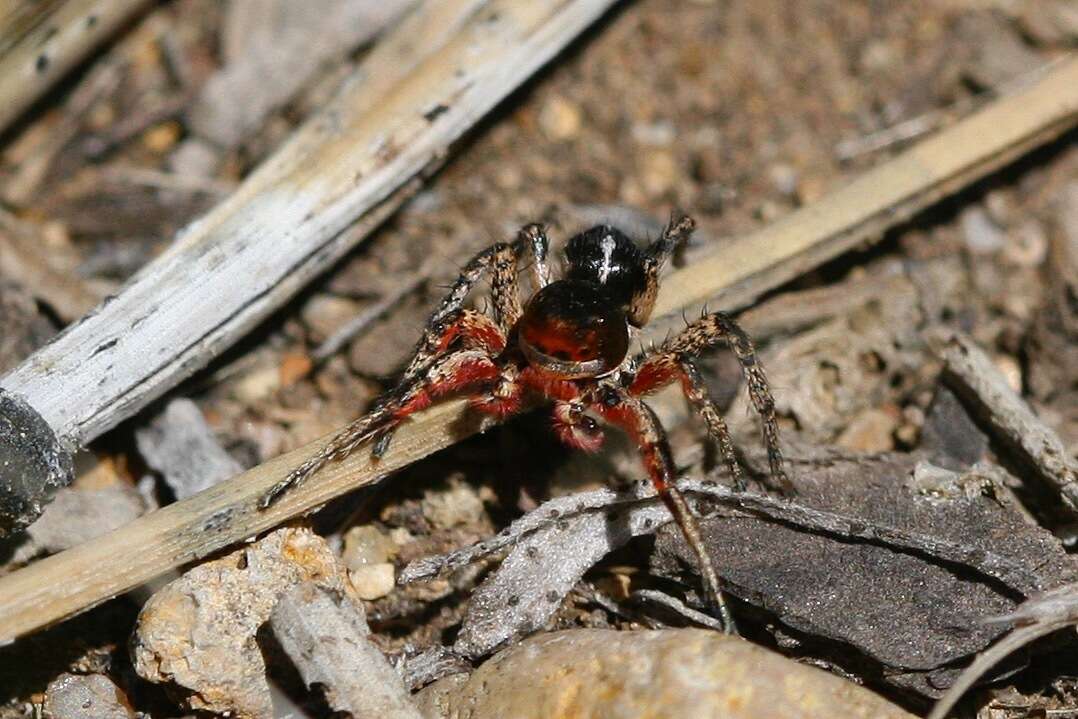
x=736 y=111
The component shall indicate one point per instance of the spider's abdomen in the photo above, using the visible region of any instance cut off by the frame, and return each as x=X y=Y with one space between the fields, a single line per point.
x=572 y=329
x=605 y=256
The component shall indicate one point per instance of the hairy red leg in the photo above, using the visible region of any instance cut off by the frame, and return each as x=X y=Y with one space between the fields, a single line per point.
x=473 y=329
x=666 y=364
x=656 y=374
x=455 y=373
x=458 y=372
x=629 y=413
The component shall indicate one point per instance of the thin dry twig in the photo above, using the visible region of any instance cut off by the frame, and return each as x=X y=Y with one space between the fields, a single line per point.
x=979 y=381
x=75 y=580
x=353 y=327
x=882 y=197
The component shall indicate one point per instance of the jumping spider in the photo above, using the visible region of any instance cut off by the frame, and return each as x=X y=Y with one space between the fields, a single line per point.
x=570 y=345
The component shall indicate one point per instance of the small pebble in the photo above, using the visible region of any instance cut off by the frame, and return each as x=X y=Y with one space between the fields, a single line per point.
x=982 y=235
x=784 y=178
x=162 y=138
x=194 y=158
x=560 y=119
x=459 y=504
x=655 y=134
x=258 y=384
x=659 y=172
x=1027 y=246
x=870 y=431
x=365 y=545
x=879 y=55
x=86 y=696
x=294 y=367
x=325 y=314
x=373 y=581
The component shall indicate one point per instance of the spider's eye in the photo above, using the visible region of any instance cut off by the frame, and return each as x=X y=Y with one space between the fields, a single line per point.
x=605 y=256
x=573 y=329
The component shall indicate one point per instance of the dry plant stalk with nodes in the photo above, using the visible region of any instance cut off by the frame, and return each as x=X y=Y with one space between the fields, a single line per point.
x=570 y=345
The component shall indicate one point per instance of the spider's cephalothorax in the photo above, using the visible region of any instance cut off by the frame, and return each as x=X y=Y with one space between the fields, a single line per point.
x=569 y=345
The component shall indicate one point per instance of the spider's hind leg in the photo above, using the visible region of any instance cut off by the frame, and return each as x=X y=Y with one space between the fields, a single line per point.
x=456 y=373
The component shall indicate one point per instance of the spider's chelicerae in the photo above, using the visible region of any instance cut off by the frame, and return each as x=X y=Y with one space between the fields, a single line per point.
x=570 y=345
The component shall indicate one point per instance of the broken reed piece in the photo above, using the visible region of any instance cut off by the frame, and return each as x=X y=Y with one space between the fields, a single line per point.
x=890 y=193
x=336 y=179
x=62 y=585
x=42 y=45
x=977 y=380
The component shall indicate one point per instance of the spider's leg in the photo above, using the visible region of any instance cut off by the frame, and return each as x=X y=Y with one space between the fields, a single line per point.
x=655 y=256
x=692 y=384
x=661 y=367
x=500 y=260
x=472 y=329
x=619 y=408
x=459 y=372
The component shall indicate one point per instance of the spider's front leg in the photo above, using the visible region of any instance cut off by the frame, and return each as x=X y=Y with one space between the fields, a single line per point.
x=672 y=362
x=501 y=261
x=657 y=372
x=619 y=408
x=451 y=323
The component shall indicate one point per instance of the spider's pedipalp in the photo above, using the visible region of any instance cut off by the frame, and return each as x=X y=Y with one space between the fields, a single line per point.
x=655 y=257
x=575 y=428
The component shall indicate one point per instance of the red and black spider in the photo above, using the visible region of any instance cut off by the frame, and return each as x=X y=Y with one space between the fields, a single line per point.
x=570 y=345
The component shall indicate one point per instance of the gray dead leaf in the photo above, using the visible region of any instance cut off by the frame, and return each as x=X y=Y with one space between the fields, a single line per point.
x=865 y=555
x=543 y=568
x=905 y=585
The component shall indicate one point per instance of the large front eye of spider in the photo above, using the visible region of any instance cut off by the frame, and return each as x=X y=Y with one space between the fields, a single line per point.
x=572 y=329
